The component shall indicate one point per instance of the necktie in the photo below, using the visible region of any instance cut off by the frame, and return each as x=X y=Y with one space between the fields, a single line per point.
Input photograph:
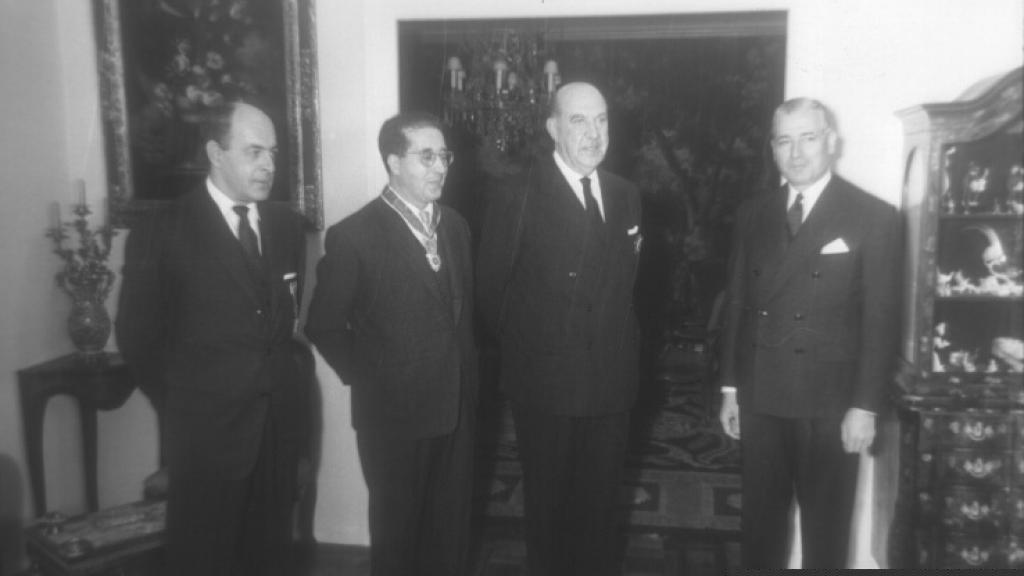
x=246 y=235
x=795 y=215
x=591 y=204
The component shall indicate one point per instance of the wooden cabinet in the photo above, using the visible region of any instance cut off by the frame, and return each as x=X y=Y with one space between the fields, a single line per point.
x=960 y=459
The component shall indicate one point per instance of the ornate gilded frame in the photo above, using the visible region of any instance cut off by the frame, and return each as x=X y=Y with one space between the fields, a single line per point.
x=299 y=170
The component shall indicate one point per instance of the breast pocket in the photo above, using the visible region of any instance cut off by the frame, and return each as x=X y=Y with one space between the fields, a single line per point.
x=835 y=274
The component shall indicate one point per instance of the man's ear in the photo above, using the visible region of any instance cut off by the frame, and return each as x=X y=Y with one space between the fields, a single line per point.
x=214 y=152
x=393 y=163
x=832 y=141
x=552 y=131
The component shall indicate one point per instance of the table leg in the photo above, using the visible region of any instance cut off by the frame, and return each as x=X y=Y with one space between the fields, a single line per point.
x=87 y=414
x=32 y=410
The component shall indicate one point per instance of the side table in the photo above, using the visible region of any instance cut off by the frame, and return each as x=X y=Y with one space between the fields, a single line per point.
x=100 y=382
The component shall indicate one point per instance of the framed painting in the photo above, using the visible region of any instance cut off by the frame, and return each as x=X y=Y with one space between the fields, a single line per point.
x=164 y=63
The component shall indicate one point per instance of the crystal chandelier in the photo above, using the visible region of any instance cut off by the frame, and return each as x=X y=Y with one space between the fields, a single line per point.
x=503 y=92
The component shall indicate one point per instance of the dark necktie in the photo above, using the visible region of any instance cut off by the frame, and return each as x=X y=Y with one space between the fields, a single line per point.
x=593 y=212
x=246 y=235
x=795 y=215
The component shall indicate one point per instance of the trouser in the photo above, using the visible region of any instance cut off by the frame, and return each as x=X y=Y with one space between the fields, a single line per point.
x=222 y=526
x=572 y=471
x=421 y=493
x=783 y=457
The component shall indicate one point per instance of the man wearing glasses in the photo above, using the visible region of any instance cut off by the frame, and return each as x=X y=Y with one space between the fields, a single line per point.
x=810 y=341
x=392 y=314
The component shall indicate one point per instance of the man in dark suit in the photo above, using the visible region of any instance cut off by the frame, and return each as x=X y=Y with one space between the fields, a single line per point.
x=392 y=314
x=556 y=268
x=810 y=341
x=208 y=311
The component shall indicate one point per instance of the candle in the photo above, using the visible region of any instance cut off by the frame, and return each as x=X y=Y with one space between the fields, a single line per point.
x=80 y=188
x=500 y=67
x=550 y=73
x=462 y=78
x=454 y=70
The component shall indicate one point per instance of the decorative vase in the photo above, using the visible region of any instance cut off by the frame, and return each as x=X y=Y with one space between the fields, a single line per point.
x=89 y=325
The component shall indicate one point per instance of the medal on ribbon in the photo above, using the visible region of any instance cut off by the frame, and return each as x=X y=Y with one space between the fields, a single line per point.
x=426 y=233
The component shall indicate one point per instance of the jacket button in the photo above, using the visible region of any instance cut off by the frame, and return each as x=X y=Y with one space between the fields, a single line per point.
x=762 y=312
x=259 y=312
x=798 y=316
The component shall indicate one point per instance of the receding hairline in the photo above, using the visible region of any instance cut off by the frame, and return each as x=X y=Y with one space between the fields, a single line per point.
x=565 y=90
x=801 y=104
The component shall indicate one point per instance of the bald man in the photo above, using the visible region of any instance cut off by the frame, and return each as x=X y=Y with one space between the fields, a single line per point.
x=556 y=268
x=207 y=316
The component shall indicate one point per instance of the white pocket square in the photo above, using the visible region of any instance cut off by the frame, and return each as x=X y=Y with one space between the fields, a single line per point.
x=633 y=230
x=837 y=246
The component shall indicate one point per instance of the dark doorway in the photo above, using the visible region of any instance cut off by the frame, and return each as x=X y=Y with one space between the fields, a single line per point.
x=690 y=99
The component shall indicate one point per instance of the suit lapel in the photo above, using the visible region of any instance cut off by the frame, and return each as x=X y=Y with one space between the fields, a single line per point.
x=616 y=210
x=275 y=257
x=819 y=224
x=562 y=195
x=408 y=247
x=452 y=263
x=214 y=234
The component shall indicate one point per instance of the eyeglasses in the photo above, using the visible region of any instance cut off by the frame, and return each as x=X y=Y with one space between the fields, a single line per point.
x=428 y=157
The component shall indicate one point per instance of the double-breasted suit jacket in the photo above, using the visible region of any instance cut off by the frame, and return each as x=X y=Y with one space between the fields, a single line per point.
x=214 y=330
x=812 y=324
x=559 y=295
x=400 y=334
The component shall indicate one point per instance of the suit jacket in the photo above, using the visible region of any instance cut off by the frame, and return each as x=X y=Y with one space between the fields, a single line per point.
x=215 y=330
x=811 y=333
x=560 y=299
x=382 y=321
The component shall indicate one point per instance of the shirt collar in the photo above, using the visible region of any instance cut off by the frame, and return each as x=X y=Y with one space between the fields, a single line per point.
x=226 y=204
x=811 y=194
x=427 y=211
x=571 y=175
x=573 y=178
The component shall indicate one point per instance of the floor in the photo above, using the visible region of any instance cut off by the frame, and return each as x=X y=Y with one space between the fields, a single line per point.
x=502 y=553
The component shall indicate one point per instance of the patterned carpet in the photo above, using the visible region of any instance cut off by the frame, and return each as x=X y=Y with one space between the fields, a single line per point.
x=681 y=471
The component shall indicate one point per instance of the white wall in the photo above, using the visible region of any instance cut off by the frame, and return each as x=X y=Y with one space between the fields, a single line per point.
x=51 y=138
x=867 y=59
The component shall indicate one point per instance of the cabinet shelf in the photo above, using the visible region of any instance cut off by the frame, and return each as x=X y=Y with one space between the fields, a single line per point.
x=957 y=469
x=982 y=217
x=974 y=298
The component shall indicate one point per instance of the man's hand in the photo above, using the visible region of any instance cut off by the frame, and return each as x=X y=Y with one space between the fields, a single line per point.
x=858 y=430
x=730 y=415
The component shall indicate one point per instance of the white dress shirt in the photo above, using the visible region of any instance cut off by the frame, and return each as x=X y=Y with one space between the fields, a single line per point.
x=577 y=187
x=227 y=205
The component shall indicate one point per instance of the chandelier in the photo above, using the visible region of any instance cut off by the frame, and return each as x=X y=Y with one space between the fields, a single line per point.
x=502 y=93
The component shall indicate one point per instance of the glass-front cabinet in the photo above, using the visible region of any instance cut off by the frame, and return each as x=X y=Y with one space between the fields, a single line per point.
x=960 y=496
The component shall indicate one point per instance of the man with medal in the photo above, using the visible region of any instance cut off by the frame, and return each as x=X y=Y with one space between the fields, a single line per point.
x=392 y=314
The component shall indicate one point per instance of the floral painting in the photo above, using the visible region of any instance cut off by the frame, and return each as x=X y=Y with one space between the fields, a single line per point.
x=165 y=63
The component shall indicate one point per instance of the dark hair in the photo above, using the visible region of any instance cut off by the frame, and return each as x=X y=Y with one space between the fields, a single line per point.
x=392 y=138
x=216 y=123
